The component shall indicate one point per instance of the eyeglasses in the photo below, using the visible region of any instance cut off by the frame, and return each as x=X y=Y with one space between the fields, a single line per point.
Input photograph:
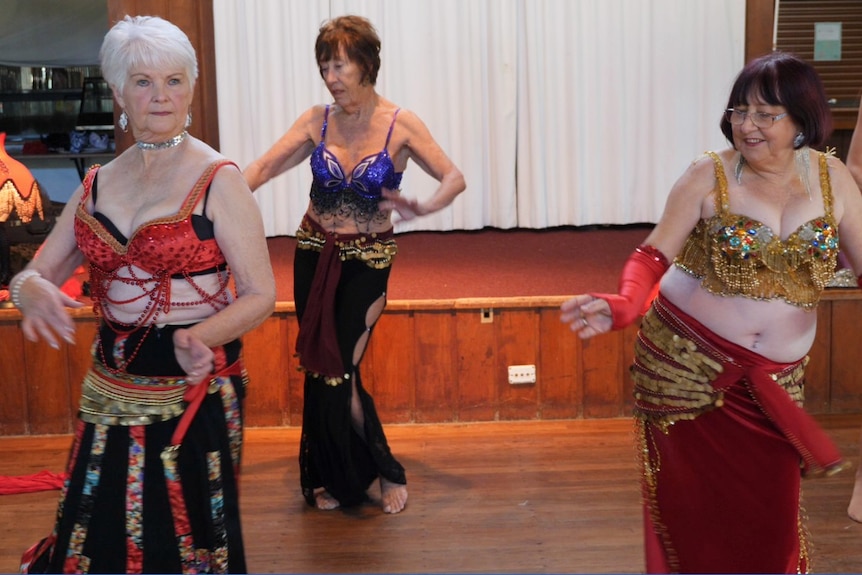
x=759 y=119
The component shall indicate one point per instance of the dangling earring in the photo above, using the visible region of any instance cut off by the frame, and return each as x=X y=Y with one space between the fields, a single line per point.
x=737 y=171
x=802 y=157
x=189 y=119
x=123 y=121
x=798 y=140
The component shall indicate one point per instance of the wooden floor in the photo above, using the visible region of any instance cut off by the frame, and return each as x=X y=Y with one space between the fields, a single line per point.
x=515 y=497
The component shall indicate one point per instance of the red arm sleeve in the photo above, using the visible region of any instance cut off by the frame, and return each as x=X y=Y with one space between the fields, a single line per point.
x=638 y=285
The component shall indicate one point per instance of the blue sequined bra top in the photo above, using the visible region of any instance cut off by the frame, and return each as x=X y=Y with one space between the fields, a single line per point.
x=357 y=196
x=734 y=255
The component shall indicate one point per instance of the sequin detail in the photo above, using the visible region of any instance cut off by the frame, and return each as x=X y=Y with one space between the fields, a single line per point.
x=376 y=250
x=357 y=196
x=233 y=416
x=163 y=248
x=135 y=501
x=219 y=554
x=76 y=561
x=734 y=255
x=192 y=558
x=123 y=399
x=674 y=369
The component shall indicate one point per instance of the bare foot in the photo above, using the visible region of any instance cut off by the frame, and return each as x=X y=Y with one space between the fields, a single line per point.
x=854 y=510
x=323 y=500
x=393 y=496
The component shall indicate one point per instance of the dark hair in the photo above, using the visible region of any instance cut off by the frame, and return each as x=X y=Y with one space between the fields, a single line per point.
x=783 y=79
x=357 y=37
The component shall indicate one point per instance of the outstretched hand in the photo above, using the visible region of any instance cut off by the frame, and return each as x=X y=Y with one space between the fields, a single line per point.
x=193 y=355
x=44 y=310
x=406 y=208
x=587 y=315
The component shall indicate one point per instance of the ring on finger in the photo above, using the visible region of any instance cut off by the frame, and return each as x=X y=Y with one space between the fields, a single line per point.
x=585 y=322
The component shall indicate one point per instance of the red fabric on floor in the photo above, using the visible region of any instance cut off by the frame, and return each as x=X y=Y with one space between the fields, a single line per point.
x=41 y=481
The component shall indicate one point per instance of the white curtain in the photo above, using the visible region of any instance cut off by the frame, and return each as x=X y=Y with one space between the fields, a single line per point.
x=559 y=112
x=615 y=97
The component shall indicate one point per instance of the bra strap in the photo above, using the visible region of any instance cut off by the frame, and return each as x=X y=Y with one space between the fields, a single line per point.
x=825 y=185
x=391 y=126
x=325 y=124
x=90 y=184
x=721 y=201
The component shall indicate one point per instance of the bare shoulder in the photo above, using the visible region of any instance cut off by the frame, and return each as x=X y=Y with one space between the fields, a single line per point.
x=314 y=116
x=699 y=177
x=840 y=175
x=228 y=177
x=410 y=121
x=834 y=164
x=844 y=188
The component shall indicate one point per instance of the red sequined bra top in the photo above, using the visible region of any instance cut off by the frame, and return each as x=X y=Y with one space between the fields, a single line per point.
x=175 y=246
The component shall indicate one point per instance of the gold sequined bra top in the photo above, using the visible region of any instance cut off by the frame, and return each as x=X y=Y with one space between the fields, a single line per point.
x=733 y=255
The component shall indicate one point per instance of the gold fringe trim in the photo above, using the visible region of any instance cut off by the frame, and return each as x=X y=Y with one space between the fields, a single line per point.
x=673 y=374
x=123 y=399
x=368 y=248
x=732 y=259
x=11 y=200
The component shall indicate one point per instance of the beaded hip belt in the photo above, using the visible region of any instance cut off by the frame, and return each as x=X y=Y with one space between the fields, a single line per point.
x=680 y=374
x=125 y=399
x=376 y=249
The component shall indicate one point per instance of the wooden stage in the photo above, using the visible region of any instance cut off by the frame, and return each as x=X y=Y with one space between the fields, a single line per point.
x=500 y=497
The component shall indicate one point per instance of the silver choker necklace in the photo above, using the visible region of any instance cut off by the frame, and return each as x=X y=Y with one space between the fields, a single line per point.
x=173 y=142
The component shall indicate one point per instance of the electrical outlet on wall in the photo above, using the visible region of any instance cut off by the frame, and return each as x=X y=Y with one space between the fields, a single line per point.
x=521 y=374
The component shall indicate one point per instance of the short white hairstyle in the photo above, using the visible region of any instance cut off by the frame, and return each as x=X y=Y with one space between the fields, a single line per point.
x=145 y=41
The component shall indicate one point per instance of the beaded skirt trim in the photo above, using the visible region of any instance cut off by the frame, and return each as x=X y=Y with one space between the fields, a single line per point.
x=377 y=250
x=674 y=370
x=124 y=399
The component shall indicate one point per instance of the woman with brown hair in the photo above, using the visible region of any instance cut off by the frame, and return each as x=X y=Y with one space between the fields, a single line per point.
x=358 y=147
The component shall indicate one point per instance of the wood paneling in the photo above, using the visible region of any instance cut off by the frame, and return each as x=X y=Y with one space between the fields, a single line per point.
x=387 y=366
x=561 y=392
x=817 y=389
x=842 y=79
x=759 y=27
x=268 y=402
x=516 y=334
x=436 y=383
x=14 y=414
x=845 y=377
x=428 y=362
x=477 y=397
x=48 y=388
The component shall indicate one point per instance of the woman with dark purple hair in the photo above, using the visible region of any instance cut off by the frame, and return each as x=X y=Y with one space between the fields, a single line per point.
x=746 y=245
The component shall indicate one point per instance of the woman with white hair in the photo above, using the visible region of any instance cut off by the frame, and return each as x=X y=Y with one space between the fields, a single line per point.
x=179 y=271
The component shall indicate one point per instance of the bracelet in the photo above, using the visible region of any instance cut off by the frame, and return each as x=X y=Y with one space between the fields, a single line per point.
x=17 y=282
